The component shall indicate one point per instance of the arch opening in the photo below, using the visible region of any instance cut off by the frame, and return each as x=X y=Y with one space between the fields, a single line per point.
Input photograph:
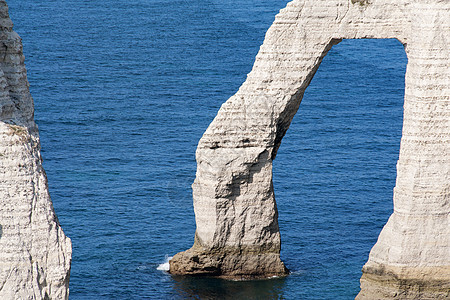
x=335 y=169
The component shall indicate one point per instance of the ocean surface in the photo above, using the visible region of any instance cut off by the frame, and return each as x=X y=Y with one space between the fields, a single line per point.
x=124 y=90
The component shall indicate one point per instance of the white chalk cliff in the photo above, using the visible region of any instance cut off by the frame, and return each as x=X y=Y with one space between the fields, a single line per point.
x=237 y=231
x=35 y=255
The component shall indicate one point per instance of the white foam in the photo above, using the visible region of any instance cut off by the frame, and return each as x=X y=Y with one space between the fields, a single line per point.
x=165 y=266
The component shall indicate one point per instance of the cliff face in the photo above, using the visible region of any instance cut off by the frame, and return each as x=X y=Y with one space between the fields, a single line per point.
x=237 y=231
x=35 y=254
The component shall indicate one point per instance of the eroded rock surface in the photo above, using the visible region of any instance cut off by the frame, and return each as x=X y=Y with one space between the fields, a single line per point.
x=35 y=255
x=237 y=230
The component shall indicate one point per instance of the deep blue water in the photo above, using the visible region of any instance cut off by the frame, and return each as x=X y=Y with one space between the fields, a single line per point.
x=124 y=90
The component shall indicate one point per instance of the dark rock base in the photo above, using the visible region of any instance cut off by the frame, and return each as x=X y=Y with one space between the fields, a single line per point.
x=378 y=282
x=227 y=264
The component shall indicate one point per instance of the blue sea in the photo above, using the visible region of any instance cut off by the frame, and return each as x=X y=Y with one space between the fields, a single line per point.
x=123 y=92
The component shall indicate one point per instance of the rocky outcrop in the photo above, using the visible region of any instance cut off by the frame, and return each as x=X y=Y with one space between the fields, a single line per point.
x=237 y=230
x=35 y=255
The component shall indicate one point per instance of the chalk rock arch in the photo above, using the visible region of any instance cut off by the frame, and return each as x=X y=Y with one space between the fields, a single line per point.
x=237 y=230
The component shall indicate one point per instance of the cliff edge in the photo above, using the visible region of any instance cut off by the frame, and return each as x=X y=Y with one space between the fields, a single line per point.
x=35 y=255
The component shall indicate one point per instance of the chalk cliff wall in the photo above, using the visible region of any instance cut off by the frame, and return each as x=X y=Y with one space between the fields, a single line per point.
x=35 y=255
x=237 y=231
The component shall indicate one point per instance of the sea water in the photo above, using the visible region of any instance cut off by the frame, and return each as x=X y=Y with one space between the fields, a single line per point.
x=124 y=90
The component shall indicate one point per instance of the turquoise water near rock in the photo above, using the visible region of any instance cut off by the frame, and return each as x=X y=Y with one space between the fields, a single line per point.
x=124 y=90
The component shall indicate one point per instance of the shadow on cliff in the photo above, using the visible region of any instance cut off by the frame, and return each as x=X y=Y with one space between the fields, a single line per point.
x=215 y=288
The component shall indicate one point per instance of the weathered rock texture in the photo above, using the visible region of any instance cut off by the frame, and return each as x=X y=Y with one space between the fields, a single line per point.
x=35 y=254
x=237 y=230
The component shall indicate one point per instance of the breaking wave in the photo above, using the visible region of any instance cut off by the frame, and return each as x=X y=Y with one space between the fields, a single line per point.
x=165 y=266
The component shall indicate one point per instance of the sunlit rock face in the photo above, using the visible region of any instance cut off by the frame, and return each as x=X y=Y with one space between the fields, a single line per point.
x=35 y=254
x=237 y=230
